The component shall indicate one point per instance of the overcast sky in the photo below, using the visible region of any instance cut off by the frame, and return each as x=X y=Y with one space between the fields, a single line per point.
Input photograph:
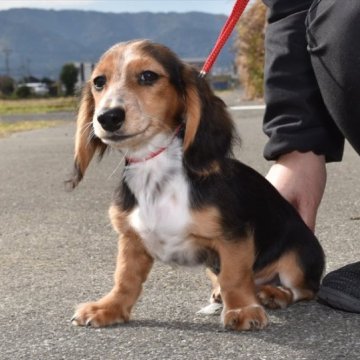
x=211 y=6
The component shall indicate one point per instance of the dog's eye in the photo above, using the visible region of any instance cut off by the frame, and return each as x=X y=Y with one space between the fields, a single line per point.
x=99 y=82
x=148 y=77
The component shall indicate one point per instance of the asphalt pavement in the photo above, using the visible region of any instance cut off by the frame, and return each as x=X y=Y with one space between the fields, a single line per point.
x=55 y=115
x=58 y=249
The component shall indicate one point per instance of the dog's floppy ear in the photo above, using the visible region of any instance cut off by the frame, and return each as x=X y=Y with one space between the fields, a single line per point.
x=86 y=143
x=192 y=107
x=208 y=127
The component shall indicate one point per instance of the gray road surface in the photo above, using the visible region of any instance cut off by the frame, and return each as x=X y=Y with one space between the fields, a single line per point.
x=57 y=249
x=57 y=115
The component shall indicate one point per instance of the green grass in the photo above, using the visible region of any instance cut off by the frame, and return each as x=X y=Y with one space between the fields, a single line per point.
x=37 y=106
x=7 y=128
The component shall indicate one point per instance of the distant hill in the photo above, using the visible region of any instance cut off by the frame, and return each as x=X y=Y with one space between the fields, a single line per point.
x=41 y=41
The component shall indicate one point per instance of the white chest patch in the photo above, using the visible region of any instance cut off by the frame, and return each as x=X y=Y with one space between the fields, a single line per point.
x=162 y=217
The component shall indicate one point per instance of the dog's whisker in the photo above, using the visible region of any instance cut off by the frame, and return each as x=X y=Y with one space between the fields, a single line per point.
x=90 y=137
x=85 y=128
x=118 y=165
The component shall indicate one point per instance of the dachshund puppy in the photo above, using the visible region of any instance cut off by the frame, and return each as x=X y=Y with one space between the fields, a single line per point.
x=183 y=198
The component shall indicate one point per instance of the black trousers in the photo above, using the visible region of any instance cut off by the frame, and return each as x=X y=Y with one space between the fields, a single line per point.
x=312 y=77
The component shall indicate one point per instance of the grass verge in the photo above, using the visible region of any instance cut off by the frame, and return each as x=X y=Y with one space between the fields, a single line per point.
x=7 y=128
x=37 y=106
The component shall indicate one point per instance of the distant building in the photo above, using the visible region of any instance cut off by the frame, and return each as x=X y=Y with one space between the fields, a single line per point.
x=84 y=74
x=36 y=88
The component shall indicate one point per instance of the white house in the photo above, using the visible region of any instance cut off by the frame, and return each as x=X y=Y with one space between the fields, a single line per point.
x=37 y=88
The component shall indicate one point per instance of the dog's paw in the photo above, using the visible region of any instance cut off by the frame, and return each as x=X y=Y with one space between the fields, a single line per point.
x=252 y=317
x=99 y=314
x=275 y=297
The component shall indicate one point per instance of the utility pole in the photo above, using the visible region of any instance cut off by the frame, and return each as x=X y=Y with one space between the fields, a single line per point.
x=28 y=72
x=7 y=53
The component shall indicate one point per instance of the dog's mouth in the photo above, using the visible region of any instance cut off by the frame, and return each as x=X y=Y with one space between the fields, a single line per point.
x=118 y=137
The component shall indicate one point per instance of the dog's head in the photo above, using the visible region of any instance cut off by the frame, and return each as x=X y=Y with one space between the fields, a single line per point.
x=138 y=94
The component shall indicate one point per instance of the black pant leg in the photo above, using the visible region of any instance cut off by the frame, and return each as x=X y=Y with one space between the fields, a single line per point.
x=333 y=31
x=296 y=117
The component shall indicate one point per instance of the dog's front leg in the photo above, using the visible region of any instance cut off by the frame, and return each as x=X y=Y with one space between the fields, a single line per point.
x=133 y=266
x=242 y=310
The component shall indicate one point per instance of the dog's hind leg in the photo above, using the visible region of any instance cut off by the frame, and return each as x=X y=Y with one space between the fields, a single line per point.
x=292 y=284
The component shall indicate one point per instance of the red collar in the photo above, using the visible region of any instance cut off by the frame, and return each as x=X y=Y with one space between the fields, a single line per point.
x=131 y=160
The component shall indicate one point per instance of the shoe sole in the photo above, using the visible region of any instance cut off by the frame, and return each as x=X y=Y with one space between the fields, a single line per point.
x=338 y=300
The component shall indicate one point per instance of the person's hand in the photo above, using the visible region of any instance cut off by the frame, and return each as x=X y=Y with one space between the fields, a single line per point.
x=300 y=178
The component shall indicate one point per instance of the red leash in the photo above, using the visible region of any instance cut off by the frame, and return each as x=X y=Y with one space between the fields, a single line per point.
x=226 y=31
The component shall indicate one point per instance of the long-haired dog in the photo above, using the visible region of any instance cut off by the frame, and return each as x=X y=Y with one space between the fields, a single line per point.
x=183 y=198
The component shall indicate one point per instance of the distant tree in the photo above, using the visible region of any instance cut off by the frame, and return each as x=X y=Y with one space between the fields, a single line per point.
x=68 y=77
x=7 y=85
x=47 y=81
x=52 y=85
x=249 y=46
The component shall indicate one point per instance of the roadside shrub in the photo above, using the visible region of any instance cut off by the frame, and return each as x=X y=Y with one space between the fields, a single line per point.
x=249 y=47
x=7 y=85
x=23 y=92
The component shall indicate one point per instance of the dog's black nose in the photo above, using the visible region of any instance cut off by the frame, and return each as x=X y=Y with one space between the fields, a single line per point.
x=111 y=120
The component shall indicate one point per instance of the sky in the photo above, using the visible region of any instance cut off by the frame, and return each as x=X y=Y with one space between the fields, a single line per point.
x=209 y=6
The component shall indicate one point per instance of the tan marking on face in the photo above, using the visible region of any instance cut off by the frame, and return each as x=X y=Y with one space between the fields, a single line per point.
x=149 y=109
x=159 y=101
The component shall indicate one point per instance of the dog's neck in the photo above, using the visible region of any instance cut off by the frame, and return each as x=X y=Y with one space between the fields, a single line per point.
x=153 y=149
x=149 y=177
x=151 y=155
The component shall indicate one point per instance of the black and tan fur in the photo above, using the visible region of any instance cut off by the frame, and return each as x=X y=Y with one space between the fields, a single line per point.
x=255 y=245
